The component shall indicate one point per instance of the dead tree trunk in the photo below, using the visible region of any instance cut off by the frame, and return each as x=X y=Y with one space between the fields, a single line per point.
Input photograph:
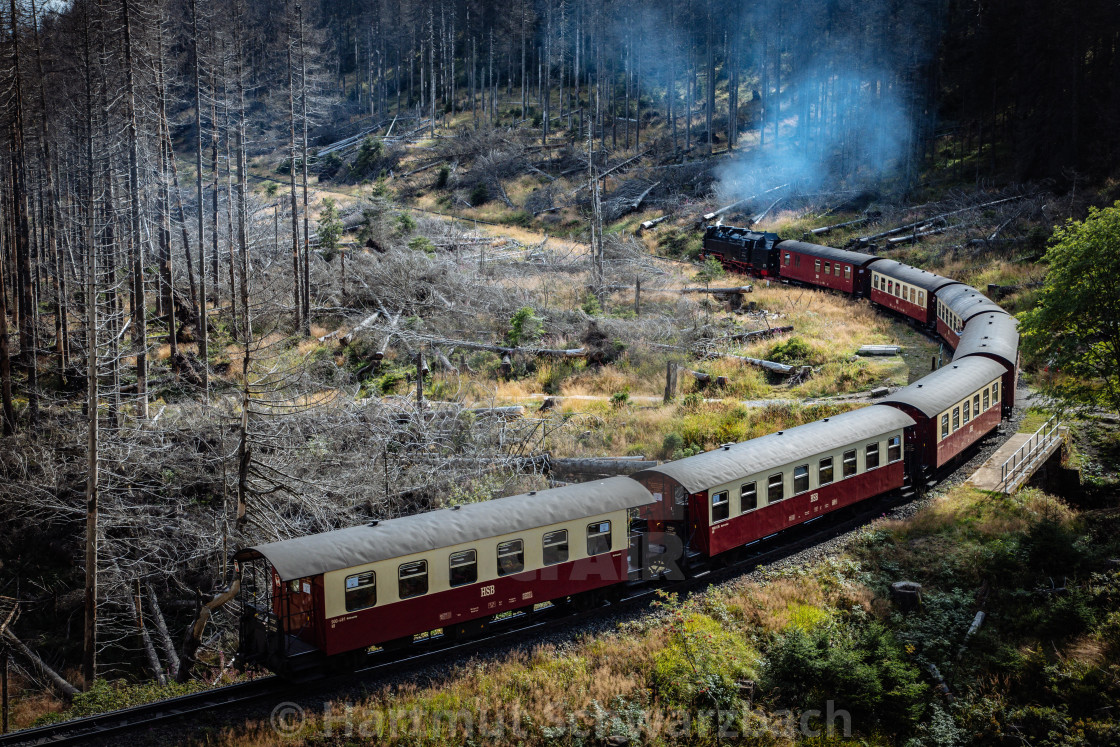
x=89 y=638
x=202 y=331
x=139 y=317
x=193 y=637
x=63 y=687
x=296 y=273
x=28 y=316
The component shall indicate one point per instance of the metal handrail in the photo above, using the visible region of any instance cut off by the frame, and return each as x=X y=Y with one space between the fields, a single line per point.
x=1026 y=454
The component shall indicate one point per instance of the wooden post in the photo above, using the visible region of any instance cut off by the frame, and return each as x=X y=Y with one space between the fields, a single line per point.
x=669 y=381
x=421 y=370
x=637 y=296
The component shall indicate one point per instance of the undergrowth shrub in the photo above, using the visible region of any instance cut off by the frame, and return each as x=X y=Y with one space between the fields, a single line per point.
x=864 y=671
x=702 y=662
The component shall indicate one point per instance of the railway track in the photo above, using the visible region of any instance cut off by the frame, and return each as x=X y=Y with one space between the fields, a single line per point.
x=433 y=650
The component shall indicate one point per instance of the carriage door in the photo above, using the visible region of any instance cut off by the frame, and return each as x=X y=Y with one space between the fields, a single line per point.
x=296 y=607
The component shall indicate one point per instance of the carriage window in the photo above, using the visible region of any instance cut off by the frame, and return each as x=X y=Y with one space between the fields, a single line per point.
x=721 y=506
x=847 y=272
x=913 y=296
x=748 y=498
x=800 y=479
x=824 y=471
x=890 y=287
x=872 y=456
x=598 y=538
x=816 y=265
x=511 y=557
x=412 y=579
x=850 y=467
x=967 y=411
x=894 y=448
x=987 y=402
x=921 y=298
x=776 y=488
x=361 y=591
x=464 y=567
x=956 y=418
x=827 y=268
x=995 y=392
x=786 y=259
x=976 y=406
x=556 y=547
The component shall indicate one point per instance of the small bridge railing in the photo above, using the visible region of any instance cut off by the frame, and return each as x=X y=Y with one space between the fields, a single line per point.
x=1022 y=464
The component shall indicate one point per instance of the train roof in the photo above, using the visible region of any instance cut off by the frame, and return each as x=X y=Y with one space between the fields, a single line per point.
x=993 y=334
x=948 y=385
x=314 y=554
x=907 y=274
x=728 y=463
x=721 y=231
x=966 y=302
x=859 y=259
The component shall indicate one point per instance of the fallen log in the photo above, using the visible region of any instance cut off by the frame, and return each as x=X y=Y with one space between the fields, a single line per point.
x=704 y=378
x=637 y=202
x=612 y=169
x=193 y=639
x=63 y=687
x=879 y=350
x=512 y=411
x=646 y=225
x=758 y=218
x=716 y=213
x=757 y=334
x=924 y=221
x=601 y=465
x=829 y=229
x=422 y=168
x=349 y=336
x=917 y=235
x=779 y=368
x=510 y=351
x=145 y=637
x=164 y=636
x=719 y=291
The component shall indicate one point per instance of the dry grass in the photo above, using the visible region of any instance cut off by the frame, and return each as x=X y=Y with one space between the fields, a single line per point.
x=29 y=703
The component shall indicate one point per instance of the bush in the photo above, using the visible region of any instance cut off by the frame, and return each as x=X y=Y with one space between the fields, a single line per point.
x=702 y=663
x=866 y=674
x=329 y=167
x=671 y=444
x=421 y=244
x=620 y=399
x=480 y=195
x=712 y=270
x=793 y=351
x=368 y=159
x=442 y=176
x=406 y=224
x=524 y=326
x=591 y=306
